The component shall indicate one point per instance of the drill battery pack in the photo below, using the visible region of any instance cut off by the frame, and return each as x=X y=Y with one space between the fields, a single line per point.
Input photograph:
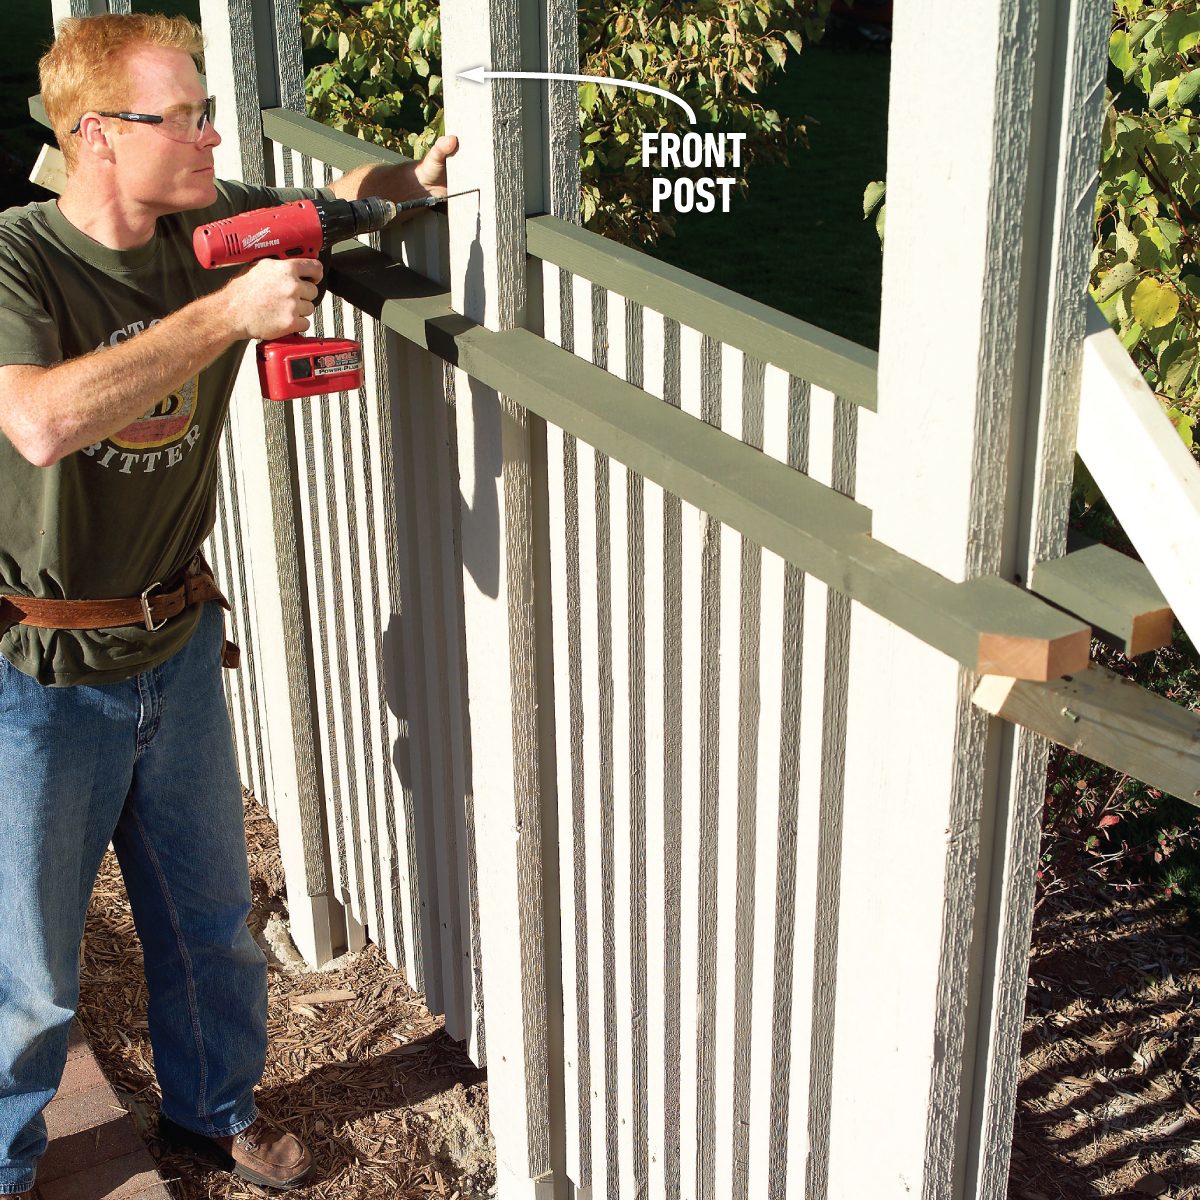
x=291 y=367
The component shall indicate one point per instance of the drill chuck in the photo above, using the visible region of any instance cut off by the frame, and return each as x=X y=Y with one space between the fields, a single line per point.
x=341 y=219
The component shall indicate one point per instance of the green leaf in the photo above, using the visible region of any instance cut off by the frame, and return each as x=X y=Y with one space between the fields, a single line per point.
x=1127 y=241
x=1153 y=304
x=1185 y=424
x=1176 y=364
x=1131 y=335
x=1189 y=87
x=1113 y=281
x=1119 y=53
x=874 y=192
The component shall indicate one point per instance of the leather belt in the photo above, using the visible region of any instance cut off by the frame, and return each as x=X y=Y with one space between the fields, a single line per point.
x=152 y=609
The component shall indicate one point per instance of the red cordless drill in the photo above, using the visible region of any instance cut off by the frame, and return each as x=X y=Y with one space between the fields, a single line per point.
x=294 y=366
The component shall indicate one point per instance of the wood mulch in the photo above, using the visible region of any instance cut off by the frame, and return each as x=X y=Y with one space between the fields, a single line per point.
x=357 y=1066
x=1109 y=1099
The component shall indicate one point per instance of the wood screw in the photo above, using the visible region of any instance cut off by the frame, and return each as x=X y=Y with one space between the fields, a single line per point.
x=1066 y=712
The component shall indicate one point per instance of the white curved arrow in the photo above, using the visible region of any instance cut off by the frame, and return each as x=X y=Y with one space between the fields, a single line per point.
x=480 y=74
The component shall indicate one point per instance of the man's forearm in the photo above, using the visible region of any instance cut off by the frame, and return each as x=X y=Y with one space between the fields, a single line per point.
x=391 y=181
x=111 y=388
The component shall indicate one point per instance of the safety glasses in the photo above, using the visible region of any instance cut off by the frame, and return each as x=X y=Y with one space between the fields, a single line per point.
x=183 y=124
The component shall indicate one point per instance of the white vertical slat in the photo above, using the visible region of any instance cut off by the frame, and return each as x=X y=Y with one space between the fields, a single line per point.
x=598 y=1031
x=591 y=1115
x=351 y=614
x=410 y=373
x=375 y=584
x=331 y=528
x=725 y=1033
x=815 y=699
x=763 y=1047
x=215 y=551
x=692 y=549
x=444 y=808
x=654 y=352
x=246 y=608
x=623 y=833
x=454 y=669
x=309 y=419
x=562 y=487
x=243 y=628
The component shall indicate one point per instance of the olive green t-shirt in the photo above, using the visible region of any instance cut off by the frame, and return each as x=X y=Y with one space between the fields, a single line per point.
x=110 y=520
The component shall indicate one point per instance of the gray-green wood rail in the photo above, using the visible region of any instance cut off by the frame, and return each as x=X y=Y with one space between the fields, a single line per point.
x=987 y=624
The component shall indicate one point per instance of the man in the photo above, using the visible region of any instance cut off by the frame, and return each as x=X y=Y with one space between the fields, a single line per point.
x=117 y=357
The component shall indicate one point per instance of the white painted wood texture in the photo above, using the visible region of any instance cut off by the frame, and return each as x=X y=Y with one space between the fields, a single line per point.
x=682 y=655
x=373 y=478
x=50 y=170
x=931 y=792
x=1143 y=468
x=495 y=468
x=1073 y=80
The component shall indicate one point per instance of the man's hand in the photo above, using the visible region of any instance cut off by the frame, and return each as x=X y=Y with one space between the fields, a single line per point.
x=274 y=298
x=401 y=181
x=430 y=172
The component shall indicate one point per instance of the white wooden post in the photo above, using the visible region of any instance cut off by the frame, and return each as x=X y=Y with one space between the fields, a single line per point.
x=496 y=459
x=86 y=8
x=240 y=63
x=978 y=273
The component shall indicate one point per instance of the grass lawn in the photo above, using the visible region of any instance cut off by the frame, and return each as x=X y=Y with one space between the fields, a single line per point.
x=798 y=241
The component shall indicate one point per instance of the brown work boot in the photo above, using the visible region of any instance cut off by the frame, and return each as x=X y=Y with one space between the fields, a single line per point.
x=262 y=1153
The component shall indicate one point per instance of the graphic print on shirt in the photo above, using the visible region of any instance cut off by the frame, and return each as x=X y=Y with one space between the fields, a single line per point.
x=161 y=437
x=166 y=422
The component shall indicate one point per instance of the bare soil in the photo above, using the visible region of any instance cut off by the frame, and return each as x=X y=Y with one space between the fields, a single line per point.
x=1109 y=1100
x=356 y=1064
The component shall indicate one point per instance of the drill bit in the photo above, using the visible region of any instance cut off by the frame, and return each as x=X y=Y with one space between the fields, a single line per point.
x=430 y=201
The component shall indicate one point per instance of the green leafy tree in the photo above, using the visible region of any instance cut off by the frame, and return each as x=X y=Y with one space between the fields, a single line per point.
x=1146 y=263
x=376 y=72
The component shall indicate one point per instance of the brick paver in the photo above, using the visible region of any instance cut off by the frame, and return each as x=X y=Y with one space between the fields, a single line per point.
x=95 y=1152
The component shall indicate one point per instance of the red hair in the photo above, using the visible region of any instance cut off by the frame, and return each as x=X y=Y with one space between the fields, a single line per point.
x=83 y=69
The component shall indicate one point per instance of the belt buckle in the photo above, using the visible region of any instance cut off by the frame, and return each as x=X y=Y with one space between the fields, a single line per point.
x=147 y=614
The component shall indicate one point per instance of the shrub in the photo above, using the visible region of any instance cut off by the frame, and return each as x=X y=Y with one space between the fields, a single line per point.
x=376 y=72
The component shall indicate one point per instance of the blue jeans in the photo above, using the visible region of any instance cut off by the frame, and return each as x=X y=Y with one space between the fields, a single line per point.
x=148 y=764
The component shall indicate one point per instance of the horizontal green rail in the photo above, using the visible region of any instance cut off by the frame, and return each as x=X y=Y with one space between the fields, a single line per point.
x=333 y=146
x=1112 y=592
x=801 y=349
x=987 y=624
